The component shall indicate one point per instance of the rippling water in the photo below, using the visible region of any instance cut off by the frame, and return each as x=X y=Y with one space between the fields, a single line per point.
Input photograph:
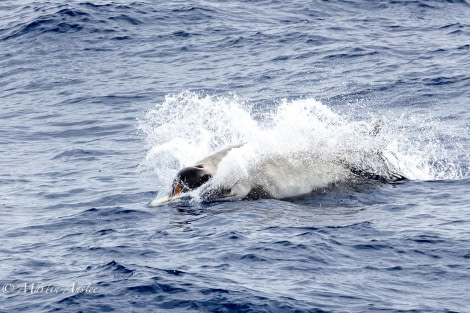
x=103 y=101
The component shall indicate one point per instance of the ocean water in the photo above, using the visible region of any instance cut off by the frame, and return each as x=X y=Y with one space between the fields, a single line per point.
x=102 y=102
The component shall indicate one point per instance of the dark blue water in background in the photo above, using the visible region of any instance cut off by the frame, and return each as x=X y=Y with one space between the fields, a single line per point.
x=76 y=77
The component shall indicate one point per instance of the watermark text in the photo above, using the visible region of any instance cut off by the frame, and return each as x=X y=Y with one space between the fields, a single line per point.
x=33 y=288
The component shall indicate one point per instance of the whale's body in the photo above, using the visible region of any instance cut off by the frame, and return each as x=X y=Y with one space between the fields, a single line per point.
x=222 y=176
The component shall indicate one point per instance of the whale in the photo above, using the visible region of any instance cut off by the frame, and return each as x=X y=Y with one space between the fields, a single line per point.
x=194 y=176
x=277 y=177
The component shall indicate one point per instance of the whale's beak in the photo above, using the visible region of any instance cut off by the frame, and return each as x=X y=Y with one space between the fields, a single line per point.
x=162 y=200
x=175 y=193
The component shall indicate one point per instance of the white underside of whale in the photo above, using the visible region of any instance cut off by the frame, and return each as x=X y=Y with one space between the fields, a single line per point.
x=279 y=176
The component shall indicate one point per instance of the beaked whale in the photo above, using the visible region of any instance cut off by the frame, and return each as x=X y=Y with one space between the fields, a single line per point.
x=273 y=178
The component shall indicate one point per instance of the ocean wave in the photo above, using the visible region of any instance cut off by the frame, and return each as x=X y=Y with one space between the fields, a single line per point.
x=42 y=18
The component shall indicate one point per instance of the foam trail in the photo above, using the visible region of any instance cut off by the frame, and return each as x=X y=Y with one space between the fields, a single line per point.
x=301 y=145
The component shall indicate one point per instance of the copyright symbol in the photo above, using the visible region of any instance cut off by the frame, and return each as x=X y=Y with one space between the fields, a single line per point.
x=8 y=288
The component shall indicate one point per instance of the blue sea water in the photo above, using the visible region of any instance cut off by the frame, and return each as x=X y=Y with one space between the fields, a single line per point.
x=103 y=101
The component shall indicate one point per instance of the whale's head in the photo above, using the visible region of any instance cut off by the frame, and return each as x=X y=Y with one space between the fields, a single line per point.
x=189 y=178
x=186 y=180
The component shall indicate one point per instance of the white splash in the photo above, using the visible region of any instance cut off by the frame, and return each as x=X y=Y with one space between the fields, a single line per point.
x=301 y=145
